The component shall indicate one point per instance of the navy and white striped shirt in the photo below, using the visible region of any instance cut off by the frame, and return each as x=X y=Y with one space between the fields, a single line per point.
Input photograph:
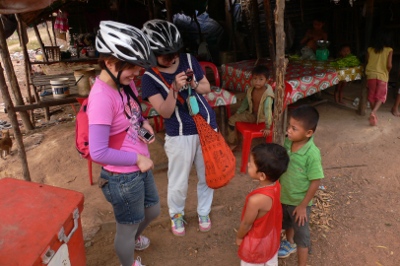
x=181 y=122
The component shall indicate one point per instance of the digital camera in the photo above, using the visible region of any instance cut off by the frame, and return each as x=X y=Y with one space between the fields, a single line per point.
x=145 y=134
x=189 y=74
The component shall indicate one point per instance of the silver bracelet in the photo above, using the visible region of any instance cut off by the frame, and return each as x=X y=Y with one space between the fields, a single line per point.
x=197 y=84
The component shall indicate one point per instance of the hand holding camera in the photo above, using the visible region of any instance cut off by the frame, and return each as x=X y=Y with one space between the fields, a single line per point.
x=145 y=135
x=189 y=75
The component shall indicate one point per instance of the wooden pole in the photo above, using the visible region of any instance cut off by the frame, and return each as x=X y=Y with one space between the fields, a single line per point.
x=48 y=103
x=22 y=41
x=151 y=9
x=53 y=30
x=368 y=31
x=10 y=107
x=168 y=6
x=229 y=25
x=9 y=69
x=279 y=134
x=254 y=25
x=271 y=41
x=48 y=33
x=21 y=30
x=41 y=42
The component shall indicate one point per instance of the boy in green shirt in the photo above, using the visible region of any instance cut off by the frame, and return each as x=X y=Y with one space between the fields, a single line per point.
x=300 y=182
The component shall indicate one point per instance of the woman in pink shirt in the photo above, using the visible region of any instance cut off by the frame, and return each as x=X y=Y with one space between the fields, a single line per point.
x=115 y=118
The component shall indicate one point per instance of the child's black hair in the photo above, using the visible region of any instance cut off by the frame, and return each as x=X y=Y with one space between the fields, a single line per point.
x=307 y=115
x=384 y=39
x=320 y=18
x=343 y=45
x=261 y=70
x=271 y=159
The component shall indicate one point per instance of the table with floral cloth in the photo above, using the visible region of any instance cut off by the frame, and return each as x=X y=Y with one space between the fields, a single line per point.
x=218 y=97
x=306 y=77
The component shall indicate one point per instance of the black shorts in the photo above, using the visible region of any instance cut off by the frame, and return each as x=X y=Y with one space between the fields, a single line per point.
x=301 y=233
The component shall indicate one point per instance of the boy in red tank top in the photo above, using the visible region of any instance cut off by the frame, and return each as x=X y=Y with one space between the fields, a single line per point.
x=258 y=236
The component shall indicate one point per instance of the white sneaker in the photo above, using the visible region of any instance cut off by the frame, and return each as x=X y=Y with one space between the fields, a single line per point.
x=138 y=262
x=177 y=225
x=204 y=223
x=142 y=243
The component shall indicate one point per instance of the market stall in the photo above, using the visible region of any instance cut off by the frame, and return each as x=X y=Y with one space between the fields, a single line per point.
x=306 y=77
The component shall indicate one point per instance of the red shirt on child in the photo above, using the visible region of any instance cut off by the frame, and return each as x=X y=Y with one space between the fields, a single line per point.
x=262 y=241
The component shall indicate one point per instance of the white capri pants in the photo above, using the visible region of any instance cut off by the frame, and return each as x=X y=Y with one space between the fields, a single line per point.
x=182 y=152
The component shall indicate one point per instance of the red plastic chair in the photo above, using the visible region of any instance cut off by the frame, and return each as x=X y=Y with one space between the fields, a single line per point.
x=204 y=65
x=250 y=131
x=214 y=69
x=158 y=123
x=158 y=120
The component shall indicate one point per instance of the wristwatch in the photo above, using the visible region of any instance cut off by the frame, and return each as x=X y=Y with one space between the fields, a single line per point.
x=197 y=84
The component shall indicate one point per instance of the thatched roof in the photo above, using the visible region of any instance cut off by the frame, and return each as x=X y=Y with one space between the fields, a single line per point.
x=22 y=6
x=32 y=11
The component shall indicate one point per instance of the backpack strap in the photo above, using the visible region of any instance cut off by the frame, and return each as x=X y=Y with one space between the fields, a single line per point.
x=189 y=58
x=180 y=98
x=129 y=92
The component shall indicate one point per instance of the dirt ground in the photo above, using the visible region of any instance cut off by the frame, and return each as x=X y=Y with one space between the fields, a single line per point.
x=356 y=221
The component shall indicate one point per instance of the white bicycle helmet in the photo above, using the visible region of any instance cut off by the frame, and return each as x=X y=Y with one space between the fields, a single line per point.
x=124 y=42
x=164 y=37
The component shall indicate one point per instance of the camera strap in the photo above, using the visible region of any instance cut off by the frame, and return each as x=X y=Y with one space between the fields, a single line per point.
x=180 y=98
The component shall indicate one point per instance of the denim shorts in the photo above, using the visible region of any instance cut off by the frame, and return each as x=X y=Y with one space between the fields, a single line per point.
x=301 y=233
x=130 y=194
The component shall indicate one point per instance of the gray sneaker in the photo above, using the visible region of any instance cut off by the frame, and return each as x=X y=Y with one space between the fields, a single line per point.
x=142 y=243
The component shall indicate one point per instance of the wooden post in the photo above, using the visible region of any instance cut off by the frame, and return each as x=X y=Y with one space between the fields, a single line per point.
x=168 y=6
x=279 y=135
x=9 y=69
x=229 y=25
x=254 y=25
x=53 y=30
x=151 y=9
x=48 y=33
x=368 y=30
x=41 y=42
x=8 y=104
x=271 y=42
x=21 y=30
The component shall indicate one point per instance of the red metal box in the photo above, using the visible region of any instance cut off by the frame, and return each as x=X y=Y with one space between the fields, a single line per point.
x=40 y=225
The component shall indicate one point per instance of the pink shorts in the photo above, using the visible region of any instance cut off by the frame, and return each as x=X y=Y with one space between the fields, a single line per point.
x=377 y=90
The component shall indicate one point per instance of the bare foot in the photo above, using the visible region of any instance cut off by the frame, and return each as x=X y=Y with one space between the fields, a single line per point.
x=373 y=120
x=395 y=112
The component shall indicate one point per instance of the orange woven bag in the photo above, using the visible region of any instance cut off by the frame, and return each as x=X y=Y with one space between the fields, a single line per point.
x=219 y=161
